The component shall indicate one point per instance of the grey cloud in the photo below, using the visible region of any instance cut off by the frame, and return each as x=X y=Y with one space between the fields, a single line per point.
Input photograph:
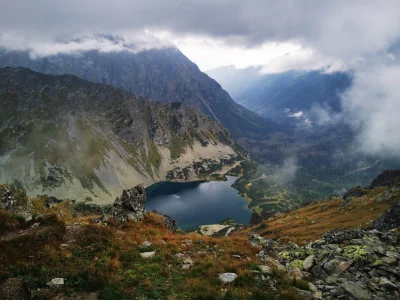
x=372 y=107
x=339 y=28
x=342 y=29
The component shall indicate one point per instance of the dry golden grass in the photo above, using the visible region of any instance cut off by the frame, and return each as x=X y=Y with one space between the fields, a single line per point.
x=309 y=223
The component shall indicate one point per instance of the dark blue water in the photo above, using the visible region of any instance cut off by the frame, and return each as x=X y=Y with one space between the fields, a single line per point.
x=198 y=203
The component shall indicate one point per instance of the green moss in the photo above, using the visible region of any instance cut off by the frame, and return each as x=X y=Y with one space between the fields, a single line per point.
x=355 y=252
x=297 y=264
x=286 y=255
x=378 y=262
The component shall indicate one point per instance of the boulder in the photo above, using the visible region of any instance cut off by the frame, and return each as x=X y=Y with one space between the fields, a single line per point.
x=308 y=263
x=148 y=254
x=227 y=277
x=56 y=282
x=389 y=219
x=129 y=206
x=355 y=290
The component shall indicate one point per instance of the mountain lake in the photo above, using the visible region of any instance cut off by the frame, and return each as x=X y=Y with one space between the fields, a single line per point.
x=193 y=204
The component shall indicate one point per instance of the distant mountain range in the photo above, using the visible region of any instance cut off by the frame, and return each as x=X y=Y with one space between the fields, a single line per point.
x=164 y=75
x=284 y=96
x=72 y=138
x=275 y=131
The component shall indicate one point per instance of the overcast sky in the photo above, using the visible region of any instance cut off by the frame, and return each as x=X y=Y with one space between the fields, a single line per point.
x=217 y=32
x=279 y=35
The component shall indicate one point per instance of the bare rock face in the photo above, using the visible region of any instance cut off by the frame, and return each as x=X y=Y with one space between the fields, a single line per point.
x=389 y=219
x=389 y=178
x=129 y=206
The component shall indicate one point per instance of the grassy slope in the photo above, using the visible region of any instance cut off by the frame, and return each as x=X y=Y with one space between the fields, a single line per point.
x=308 y=223
x=106 y=259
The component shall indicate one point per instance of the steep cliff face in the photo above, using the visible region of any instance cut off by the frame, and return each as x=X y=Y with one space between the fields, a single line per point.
x=70 y=138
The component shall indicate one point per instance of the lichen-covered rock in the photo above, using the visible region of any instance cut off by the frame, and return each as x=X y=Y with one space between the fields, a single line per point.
x=339 y=236
x=256 y=240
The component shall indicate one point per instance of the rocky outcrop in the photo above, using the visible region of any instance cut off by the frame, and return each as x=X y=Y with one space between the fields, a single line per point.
x=15 y=201
x=169 y=223
x=389 y=178
x=356 y=192
x=389 y=219
x=344 y=264
x=129 y=206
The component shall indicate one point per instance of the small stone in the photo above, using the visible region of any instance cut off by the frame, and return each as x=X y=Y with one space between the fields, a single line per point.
x=279 y=266
x=34 y=225
x=318 y=272
x=227 y=277
x=308 y=263
x=344 y=265
x=148 y=254
x=56 y=282
x=312 y=287
x=317 y=295
x=146 y=244
x=179 y=255
x=186 y=266
x=265 y=269
x=384 y=282
x=261 y=254
x=389 y=260
x=188 y=261
x=393 y=254
x=236 y=256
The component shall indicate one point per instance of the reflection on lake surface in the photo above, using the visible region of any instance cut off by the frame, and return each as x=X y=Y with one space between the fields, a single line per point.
x=198 y=203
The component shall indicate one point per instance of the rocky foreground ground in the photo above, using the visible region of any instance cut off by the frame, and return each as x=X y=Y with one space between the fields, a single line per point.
x=52 y=249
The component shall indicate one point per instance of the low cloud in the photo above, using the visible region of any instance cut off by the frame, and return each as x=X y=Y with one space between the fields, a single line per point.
x=372 y=108
x=282 y=174
x=133 y=43
x=323 y=115
x=296 y=115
